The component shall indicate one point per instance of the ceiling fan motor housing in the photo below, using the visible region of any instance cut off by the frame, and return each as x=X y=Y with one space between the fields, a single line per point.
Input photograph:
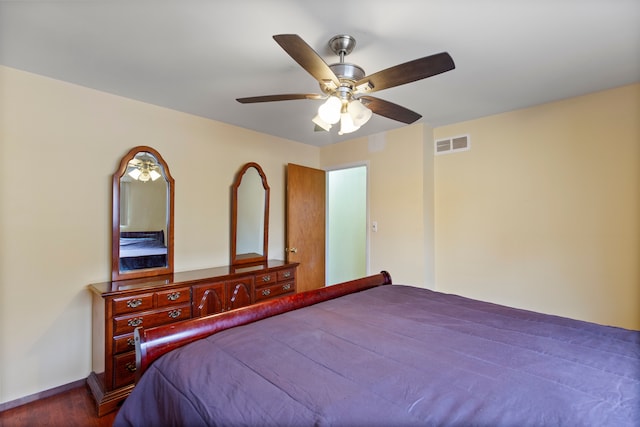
x=348 y=74
x=346 y=71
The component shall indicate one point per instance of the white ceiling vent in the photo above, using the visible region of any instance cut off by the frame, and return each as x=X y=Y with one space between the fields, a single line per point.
x=453 y=144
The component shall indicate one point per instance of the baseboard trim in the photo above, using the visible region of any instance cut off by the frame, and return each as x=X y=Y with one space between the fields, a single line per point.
x=41 y=395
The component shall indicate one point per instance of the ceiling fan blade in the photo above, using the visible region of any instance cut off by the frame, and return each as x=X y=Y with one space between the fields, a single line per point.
x=408 y=72
x=389 y=109
x=287 y=97
x=308 y=59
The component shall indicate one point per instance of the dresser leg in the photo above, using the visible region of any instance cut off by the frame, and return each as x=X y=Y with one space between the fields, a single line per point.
x=106 y=401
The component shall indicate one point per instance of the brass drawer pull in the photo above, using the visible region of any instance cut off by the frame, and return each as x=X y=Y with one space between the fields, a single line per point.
x=131 y=342
x=286 y=287
x=173 y=296
x=266 y=278
x=131 y=366
x=175 y=313
x=135 y=322
x=286 y=274
x=266 y=292
x=133 y=303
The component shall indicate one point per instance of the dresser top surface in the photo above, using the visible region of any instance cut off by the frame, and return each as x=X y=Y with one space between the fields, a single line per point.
x=185 y=278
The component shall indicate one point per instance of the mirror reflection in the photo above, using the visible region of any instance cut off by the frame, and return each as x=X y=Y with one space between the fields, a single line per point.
x=250 y=216
x=143 y=239
x=250 y=237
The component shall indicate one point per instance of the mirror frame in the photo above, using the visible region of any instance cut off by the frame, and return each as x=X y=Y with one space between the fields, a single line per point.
x=116 y=274
x=244 y=260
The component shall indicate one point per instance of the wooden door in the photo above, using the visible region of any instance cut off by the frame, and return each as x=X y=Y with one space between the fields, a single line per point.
x=305 y=225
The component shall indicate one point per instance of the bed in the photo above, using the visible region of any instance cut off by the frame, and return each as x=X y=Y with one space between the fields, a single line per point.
x=369 y=353
x=142 y=249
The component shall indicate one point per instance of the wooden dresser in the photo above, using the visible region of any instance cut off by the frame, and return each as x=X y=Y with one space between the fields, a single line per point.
x=121 y=306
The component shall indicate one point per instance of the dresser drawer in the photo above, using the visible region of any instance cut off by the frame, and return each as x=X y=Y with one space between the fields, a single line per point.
x=173 y=297
x=286 y=274
x=123 y=343
x=274 y=290
x=124 y=369
x=149 y=319
x=265 y=279
x=132 y=303
x=247 y=282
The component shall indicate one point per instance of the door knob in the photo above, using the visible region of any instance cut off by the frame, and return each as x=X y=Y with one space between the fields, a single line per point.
x=293 y=250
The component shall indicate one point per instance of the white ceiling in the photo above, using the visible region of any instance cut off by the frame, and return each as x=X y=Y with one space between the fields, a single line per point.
x=197 y=56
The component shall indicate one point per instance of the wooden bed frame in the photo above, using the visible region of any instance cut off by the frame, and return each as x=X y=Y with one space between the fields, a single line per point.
x=154 y=342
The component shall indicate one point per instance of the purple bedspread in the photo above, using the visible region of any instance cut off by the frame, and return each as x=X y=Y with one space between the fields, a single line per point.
x=397 y=356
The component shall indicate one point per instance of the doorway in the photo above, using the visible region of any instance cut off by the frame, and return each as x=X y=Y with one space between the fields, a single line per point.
x=346 y=234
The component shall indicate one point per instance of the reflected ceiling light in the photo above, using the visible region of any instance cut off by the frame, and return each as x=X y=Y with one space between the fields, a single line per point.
x=135 y=173
x=144 y=176
x=144 y=173
x=154 y=174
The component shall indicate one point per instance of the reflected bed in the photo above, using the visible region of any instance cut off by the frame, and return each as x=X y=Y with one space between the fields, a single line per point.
x=142 y=249
x=387 y=355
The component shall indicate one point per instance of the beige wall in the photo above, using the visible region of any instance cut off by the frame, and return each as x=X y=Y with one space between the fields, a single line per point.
x=395 y=169
x=544 y=211
x=59 y=145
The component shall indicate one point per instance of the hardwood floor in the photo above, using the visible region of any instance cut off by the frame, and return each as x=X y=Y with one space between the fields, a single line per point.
x=71 y=408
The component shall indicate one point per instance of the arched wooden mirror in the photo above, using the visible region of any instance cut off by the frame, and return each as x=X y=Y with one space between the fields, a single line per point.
x=249 y=216
x=143 y=190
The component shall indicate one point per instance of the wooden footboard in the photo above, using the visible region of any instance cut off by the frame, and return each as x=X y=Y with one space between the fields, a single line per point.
x=154 y=342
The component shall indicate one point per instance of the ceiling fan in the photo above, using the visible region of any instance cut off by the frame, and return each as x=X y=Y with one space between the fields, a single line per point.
x=346 y=87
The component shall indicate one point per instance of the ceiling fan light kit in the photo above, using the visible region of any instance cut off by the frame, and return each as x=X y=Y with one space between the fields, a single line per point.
x=330 y=111
x=346 y=86
x=321 y=124
x=359 y=112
